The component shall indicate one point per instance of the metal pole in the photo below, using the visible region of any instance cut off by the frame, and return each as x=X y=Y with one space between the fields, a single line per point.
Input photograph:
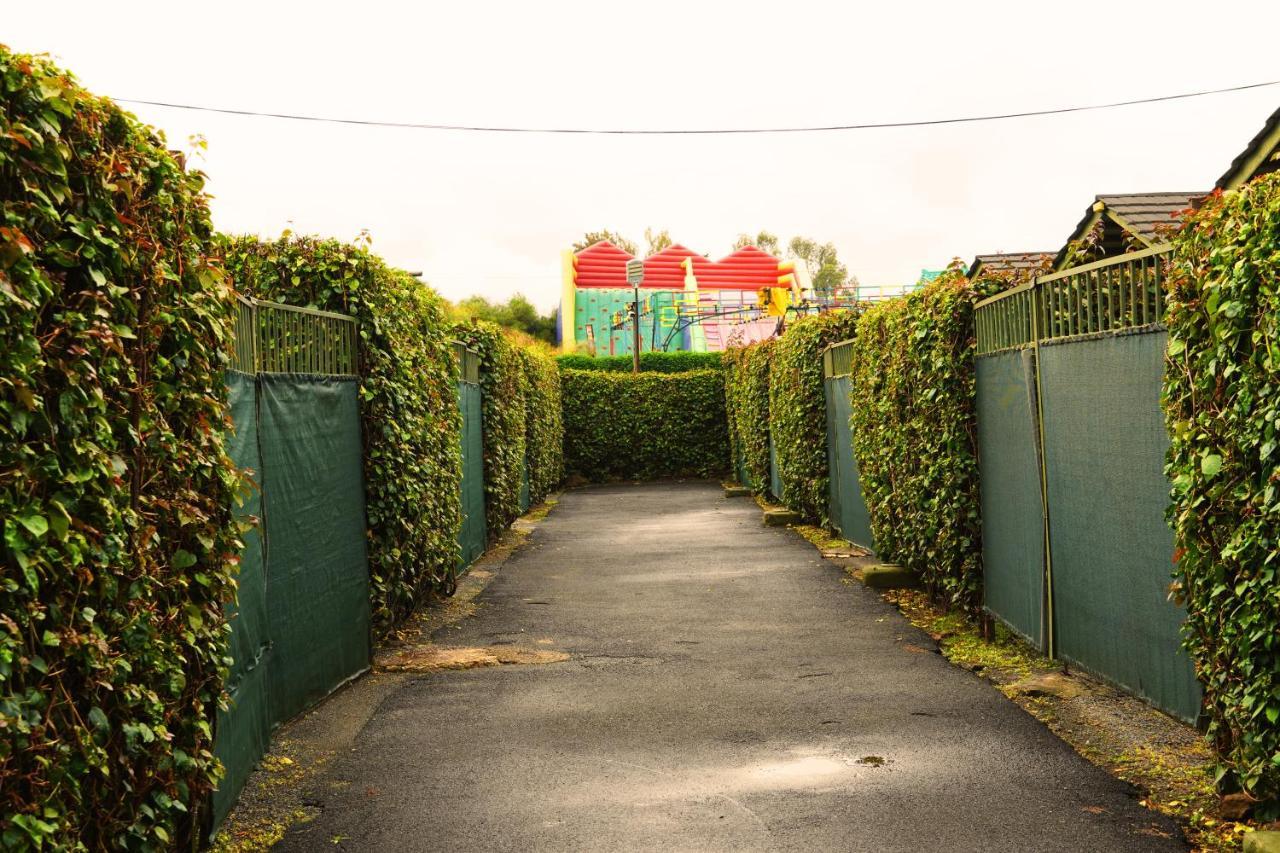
x=635 y=348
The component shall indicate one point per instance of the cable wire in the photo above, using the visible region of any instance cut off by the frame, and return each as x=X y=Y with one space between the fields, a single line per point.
x=700 y=131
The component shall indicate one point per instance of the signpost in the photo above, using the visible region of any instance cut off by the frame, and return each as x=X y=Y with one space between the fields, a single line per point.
x=635 y=275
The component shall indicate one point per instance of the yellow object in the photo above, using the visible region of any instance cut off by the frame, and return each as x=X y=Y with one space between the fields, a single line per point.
x=774 y=300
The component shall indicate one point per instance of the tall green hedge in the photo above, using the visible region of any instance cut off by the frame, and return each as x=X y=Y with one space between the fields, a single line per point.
x=115 y=492
x=544 y=421
x=797 y=409
x=644 y=426
x=504 y=387
x=746 y=391
x=650 y=362
x=1222 y=404
x=914 y=434
x=408 y=403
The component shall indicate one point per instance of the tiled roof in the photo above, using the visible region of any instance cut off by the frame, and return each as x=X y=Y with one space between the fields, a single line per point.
x=1010 y=261
x=1259 y=156
x=1145 y=214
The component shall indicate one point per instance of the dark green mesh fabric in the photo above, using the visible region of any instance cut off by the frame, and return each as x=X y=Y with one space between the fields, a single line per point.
x=1112 y=550
x=847 y=508
x=472 y=534
x=302 y=624
x=1012 y=512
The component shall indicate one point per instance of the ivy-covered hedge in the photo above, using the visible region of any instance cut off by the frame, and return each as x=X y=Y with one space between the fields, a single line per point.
x=798 y=409
x=650 y=362
x=504 y=387
x=1222 y=404
x=408 y=403
x=115 y=493
x=544 y=421
x=914 y=434
x=746 y=391
x=625 y=426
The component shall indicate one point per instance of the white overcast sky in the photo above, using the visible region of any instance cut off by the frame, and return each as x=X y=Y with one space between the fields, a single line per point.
x=489 y=213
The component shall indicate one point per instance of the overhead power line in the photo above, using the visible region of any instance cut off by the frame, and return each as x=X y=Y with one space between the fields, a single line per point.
x=700 y=131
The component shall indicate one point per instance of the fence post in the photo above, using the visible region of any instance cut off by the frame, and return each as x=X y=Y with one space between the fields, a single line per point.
x=1047 y=600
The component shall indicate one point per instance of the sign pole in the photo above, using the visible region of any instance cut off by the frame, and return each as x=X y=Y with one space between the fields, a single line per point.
x=635 y=275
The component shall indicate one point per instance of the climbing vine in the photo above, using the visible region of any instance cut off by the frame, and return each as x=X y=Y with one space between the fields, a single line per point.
x=746 y=390
x=544 y=420
x=119 y=546
x=912 y=396
x=797 y=409
x=408 y=403
x=1222 y=406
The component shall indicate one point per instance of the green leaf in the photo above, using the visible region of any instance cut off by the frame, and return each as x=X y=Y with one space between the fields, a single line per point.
x=36 y=523
x=183 y=559
x=1210 y=464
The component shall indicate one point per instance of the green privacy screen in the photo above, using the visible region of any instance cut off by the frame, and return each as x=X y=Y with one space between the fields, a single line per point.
x=317 y=573
x=244 y=729
x=301 y=627
x=472 y=534
x=1104 y=443
x=847 y=508
x=1012 y=513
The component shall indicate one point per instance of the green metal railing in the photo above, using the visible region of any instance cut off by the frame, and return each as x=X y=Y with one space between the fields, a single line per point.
x=837 y=360
x=275 y=338
x=468 y=363
x=1124 y=292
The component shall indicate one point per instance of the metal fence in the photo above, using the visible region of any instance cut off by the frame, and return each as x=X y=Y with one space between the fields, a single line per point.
x=1077 y=555
x=301 y=621
x=846 y=506
x=275 y=338
x=473 y=532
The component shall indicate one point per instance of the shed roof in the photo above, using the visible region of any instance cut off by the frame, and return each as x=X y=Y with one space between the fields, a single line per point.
x=1142 y=216
x=1010 y=262
x=1260 y=156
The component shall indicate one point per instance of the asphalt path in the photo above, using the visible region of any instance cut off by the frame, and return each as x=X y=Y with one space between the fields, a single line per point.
x=726 y=689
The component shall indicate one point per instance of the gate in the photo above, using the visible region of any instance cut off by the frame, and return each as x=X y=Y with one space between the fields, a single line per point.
x=846 y=506
x=300 y=625
x=472 y=534
x=1077 y=554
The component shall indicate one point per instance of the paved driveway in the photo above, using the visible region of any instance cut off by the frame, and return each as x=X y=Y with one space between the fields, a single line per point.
x=726 y=689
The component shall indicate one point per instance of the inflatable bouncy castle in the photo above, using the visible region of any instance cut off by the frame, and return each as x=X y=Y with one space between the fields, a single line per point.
x=687 y=301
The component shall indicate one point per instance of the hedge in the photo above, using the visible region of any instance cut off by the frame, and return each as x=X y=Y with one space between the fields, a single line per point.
x=644 y=426
x=650 y=362
x=119 y=546
x=798 y=409
x=544 y=421
x=408 y=404
x=914 y=434
x=504 y=387
x=746 y=391
x=1222 y=405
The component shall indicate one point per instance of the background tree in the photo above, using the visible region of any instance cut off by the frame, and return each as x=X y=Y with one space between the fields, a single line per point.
x=516 y=313
x=613 y=237
x=825 y=268
x=657 y=240
x=764 y=241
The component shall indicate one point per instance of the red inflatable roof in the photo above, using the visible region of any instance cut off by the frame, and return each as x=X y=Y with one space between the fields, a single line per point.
x=605 y=265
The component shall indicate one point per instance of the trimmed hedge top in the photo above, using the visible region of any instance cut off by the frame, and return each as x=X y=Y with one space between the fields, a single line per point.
x=115 y=492
x=1222 y=405
x=408 y=403
x=650 y=362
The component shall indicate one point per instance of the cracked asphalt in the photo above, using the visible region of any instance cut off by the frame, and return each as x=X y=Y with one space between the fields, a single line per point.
x=727 y=689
